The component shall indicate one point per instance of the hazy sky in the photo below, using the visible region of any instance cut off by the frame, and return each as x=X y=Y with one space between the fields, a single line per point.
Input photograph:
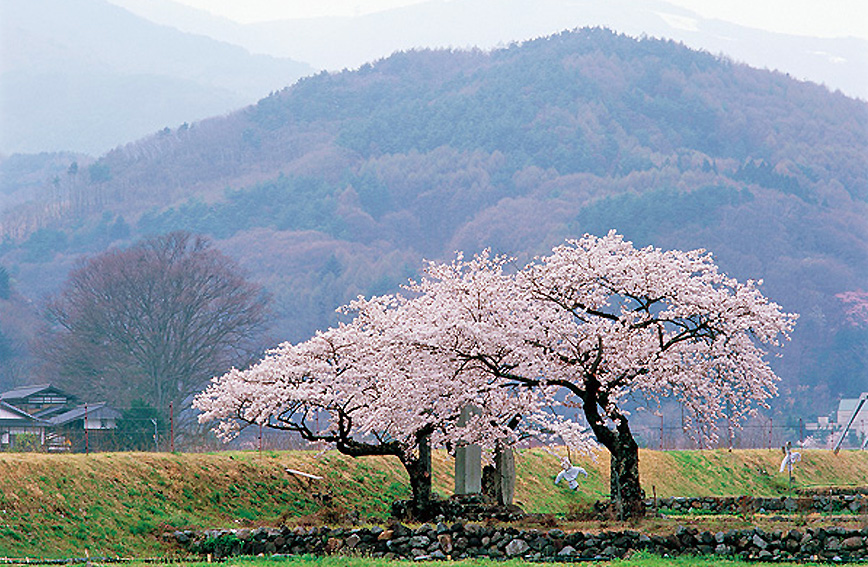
x=820 y=18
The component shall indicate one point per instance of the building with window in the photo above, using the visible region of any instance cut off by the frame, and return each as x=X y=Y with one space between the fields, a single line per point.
x=19 y=430
x=88 y=426
x=44 y=417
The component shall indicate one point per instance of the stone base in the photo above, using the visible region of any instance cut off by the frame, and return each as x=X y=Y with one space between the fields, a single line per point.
x=467 y=507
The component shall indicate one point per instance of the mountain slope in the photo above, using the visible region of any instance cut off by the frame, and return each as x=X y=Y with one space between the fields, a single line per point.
x=86 y=76
x=342 y=183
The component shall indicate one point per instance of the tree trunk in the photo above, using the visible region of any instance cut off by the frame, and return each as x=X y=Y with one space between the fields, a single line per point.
x=627 y=497
x=419 y=470
x=626 y=492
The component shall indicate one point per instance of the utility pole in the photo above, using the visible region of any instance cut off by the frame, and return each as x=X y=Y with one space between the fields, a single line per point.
x=661 y=431
x=171 y=428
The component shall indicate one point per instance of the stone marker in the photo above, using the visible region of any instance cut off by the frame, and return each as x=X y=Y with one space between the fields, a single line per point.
x=504 y=461
x=468 y=461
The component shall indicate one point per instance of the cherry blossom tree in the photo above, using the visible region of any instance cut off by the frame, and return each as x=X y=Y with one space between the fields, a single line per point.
x=613 y=323
x=598 y=319
x=395 y=379
x=325 y=377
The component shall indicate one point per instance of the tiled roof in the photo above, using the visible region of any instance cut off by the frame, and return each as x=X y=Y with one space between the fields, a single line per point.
x=21 y=416
x=25 y=391
x=94 y=411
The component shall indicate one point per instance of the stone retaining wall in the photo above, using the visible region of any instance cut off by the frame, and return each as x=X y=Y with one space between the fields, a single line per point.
x=848 y=503
x=460 y=540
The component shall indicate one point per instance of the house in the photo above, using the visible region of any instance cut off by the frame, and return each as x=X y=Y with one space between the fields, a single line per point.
x=57 y=418
x=42 y=401
x=17 y=428
x=852 y=417
x=847 y=425
x=846 y=408
x=84 y=427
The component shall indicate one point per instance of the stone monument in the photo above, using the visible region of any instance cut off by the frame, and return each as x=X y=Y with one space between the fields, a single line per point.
x=468 y=460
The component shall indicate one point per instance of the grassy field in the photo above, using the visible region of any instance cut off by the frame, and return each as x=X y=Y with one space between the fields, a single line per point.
x=117 y=504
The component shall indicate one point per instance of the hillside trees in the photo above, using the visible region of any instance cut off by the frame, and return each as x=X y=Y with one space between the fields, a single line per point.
x=153 y=321
x=18 y=321
x=850 y=340
x=855 y=307
x=511 y=149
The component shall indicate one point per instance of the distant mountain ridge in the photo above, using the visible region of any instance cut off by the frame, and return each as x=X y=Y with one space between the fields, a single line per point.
x=335 y=43
x=85 y=75
x=342 y=183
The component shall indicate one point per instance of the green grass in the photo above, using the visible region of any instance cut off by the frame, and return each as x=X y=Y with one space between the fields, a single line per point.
x=56 y=506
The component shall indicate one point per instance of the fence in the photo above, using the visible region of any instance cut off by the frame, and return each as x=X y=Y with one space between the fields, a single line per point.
x=146 y=429
x=763 y=433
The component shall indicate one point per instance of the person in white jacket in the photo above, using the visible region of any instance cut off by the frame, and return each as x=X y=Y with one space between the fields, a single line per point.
x=570 y=473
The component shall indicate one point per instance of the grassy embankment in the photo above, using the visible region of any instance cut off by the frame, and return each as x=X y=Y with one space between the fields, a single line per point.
x=118 y=503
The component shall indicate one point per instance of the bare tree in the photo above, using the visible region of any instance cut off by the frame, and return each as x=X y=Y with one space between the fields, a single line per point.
x=153 y=321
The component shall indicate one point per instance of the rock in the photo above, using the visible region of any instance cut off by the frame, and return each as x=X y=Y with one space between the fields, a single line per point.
x=567 y=551
x=419 y=541
x=610 y=551
x=333 y=545
x=516 y=547
x=852 y=543
x=759 y=542
x=352 y=541
x=722 y=549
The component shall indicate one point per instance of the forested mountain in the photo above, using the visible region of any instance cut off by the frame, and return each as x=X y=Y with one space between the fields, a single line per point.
x=342 y=183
